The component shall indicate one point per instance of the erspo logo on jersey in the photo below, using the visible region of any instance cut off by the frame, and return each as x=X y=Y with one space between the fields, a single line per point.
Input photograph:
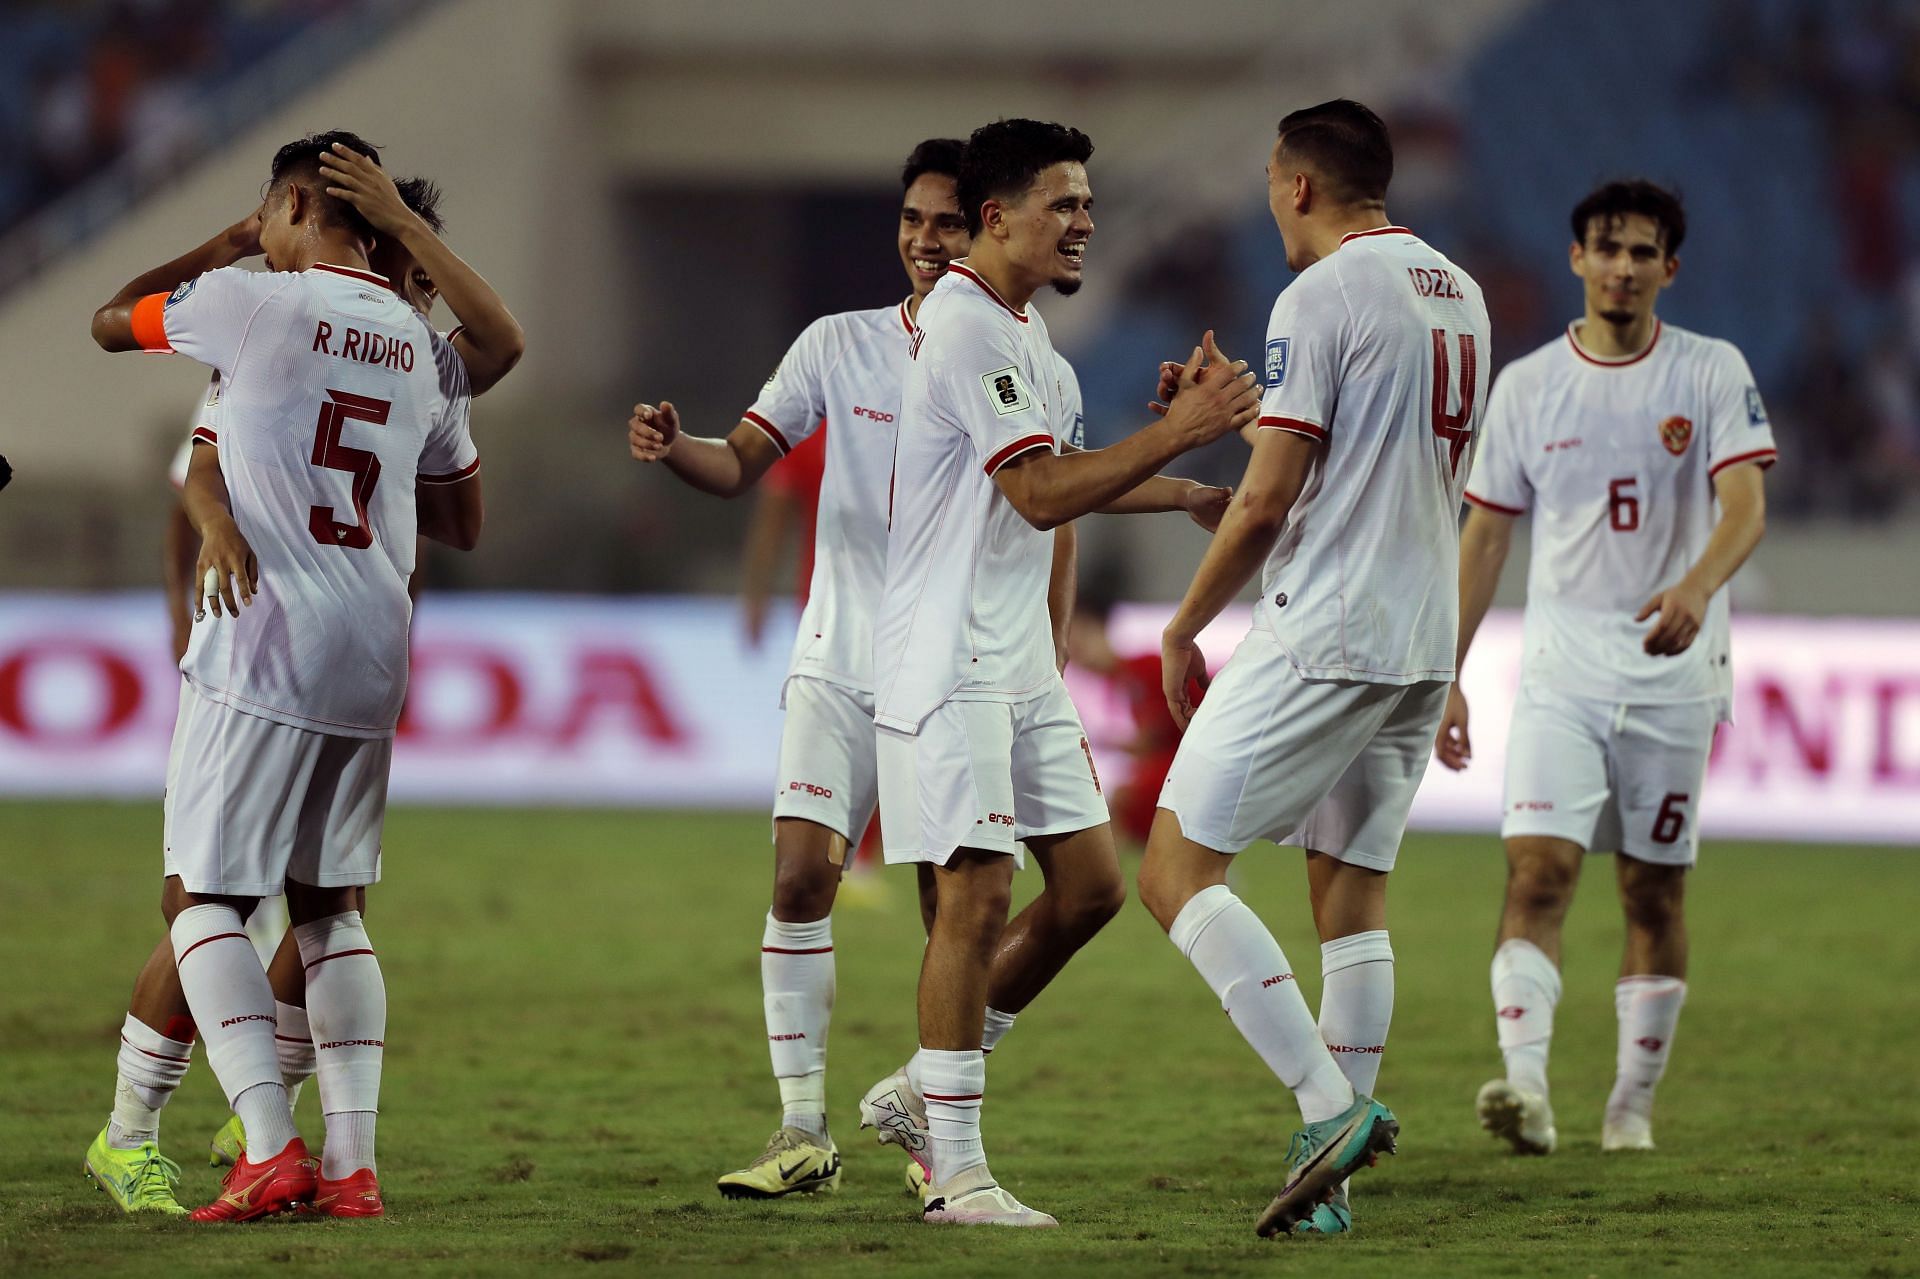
x=1277 y=361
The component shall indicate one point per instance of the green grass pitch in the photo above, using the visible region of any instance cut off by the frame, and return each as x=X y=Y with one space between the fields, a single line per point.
x=577 y=1050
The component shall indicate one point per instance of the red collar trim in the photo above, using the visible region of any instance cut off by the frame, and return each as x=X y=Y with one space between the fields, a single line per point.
x=905 y=322
x=1379 y=230
x=1614 y=361
x=957 y=269
x=353 y=273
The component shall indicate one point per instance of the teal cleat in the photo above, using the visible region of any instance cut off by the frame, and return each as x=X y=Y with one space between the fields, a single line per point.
x=1333 y=1217
x=1323 y=1156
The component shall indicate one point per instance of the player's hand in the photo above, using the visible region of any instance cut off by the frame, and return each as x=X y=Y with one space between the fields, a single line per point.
x=1682 y=609
x=1451 y=745
x=225 y=554
x=652 y=430
x=1214 y=395
x=243 y=237
x=365 y=185
x=1207 y=505
x=1168 y=384
x=1182 y=668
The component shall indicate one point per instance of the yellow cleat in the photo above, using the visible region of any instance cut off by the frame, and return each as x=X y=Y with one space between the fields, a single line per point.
x=919 y=1180
x=792 y=1163
x=228 y=1144
x=139 y=1180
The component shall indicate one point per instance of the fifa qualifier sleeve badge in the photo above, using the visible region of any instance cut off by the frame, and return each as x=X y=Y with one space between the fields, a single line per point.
x=1006 y=391
x=1277 y=362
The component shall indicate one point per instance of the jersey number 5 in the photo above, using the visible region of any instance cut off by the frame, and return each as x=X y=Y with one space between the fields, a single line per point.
x=1452 y=427
x=340 y=408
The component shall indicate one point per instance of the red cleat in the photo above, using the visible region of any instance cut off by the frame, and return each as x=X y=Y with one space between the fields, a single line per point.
x=252 y=1190
x=355 y=1195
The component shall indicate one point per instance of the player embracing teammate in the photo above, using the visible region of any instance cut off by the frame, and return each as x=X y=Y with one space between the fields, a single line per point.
x=1620 y=439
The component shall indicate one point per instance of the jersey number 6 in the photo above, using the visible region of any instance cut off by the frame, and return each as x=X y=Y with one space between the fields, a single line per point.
x=329 y=452
x=1452 y=427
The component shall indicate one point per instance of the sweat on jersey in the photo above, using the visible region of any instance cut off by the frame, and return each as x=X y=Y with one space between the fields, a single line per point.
x=1380 y=350
x=336 y=397
x=1615 y=459
x=963 y=612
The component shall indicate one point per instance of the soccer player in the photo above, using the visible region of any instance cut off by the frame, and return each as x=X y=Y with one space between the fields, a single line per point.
x=158 y=1033
x=844 y=369
x=979 y=746
x=1316 y=732
x=1619 y=439
x=280 y=758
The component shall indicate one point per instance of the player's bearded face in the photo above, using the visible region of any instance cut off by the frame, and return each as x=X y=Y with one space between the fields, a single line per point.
x=1624 y=265
x=933 y=231
x=1051 y=225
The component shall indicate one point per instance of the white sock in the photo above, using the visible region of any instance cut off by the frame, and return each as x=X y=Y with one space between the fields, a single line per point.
x=349 y=1145
x=293 y=1043
x=953 y=1084
x=1243 y=963
x=998 y=1024
x=797 y=987
x=1649 y=1011
x=1526 y=986
x=1356 y=1004
x=151 y=1067
x=347 y=1009
x=233 y=1005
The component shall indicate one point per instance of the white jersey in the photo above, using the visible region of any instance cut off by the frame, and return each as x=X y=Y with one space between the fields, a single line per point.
x=1380 y=349
x=1615 y=459
x=336 y=397
x=963 y=613
x=204 y=428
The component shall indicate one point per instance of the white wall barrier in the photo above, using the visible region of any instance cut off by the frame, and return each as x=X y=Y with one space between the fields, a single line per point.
x=658 y=702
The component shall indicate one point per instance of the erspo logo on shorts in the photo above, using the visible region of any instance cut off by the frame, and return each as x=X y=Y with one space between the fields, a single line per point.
x=1277 y=361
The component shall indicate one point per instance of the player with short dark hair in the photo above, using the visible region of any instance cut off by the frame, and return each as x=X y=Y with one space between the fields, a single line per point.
x=980 y=748
x=278 y=773
x=1620 y=439
x=1316 y=732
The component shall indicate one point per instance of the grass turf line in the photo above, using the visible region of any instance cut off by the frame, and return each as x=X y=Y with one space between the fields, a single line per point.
x=577 y=1051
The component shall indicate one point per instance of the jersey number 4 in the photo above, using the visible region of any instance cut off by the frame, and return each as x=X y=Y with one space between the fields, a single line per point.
x=328 y=452
x=1452 y=427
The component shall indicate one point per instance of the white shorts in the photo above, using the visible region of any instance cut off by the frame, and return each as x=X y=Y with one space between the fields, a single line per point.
x=1607 y=776
x=1328 y=765
x=827 y=770
x=987 y=775
x=252 y=803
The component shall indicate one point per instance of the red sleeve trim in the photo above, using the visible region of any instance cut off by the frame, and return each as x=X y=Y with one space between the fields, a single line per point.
x=455 y=333
x=773 y=432
x=1299 y=426
x=781 y=950
x=1025 y=444
x=150 y=323
x=451 y=477
x=1496 y=507
x=1765 y=457
x=202 y=435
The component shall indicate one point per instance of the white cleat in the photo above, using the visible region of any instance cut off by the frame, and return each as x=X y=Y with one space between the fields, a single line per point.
x=898 y=1114
x=975 y=1199
x=1626 y=1130
x=1522 y=1119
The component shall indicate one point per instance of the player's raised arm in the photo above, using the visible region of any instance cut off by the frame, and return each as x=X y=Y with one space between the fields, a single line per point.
x=490 y=340
x=130 y=320
x=1048 y=489
x=724 y=467
x=1275 y=475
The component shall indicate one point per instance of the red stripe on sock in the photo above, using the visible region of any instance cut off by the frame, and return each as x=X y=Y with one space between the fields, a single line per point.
x=781 y=950
x=934 y=1096
x=204 y=940
x=184 y=1061
x=338 y=954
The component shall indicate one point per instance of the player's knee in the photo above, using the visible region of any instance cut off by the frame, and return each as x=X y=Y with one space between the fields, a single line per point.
x=801 y=898
x=1093 y=906
x=1540 y=884
x=1653 y=905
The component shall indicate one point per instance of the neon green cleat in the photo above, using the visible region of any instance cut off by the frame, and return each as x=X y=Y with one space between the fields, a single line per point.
x=919 y=1180
x=139 y=1180
x=228 y=1144
x=792 y=1162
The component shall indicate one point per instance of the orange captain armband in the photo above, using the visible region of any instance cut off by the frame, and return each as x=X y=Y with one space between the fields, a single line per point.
x=150 y=322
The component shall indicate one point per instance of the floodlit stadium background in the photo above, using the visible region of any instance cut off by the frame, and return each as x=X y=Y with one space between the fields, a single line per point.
x=667 y=192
